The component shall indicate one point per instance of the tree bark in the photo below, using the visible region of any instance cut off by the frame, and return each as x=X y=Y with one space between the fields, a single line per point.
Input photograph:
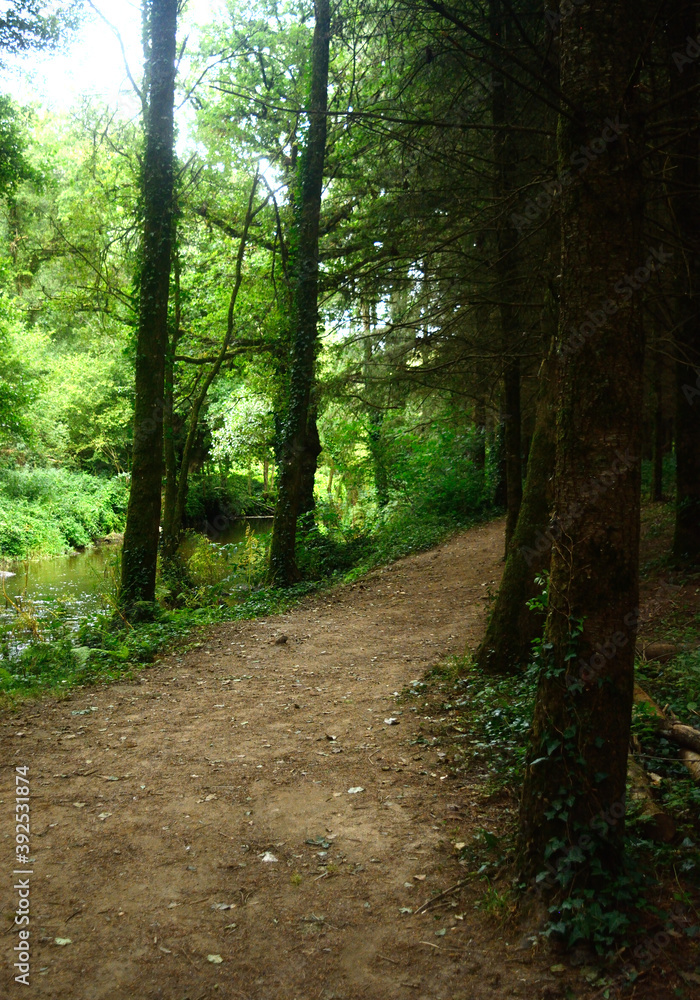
x=685 y=205
x=479 y=453
x=304 y=273
x=505 y=158
x=312 y=449
x=140 y=551
x=497 y=462
x=658 y=431
x=574 y=787
x=511 y=628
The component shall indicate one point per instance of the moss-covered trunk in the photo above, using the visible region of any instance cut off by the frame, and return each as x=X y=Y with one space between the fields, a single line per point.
x=573 y=802
x=312 y=449
x=294 y=458
x=140 y=552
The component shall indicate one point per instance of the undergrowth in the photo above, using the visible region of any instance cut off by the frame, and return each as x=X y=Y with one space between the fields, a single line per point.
x=484 y=723
x=46 y=511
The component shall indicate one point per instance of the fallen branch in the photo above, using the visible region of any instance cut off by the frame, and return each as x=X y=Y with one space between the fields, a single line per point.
x=685 y=736
x=692 y=762
x=441 y=895
x=657 y=824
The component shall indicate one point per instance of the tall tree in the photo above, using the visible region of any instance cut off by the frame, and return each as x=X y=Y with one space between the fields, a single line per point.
x=140 y=552
x=296 y=439
x=504 y=155
x=574 y=790
x=684 y=191
x=512 y=625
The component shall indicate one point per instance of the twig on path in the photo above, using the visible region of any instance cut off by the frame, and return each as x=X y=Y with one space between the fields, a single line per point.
x=384 y=958
x=75 y=913
x=225 y=835
x=187 y=956
x=442 y=895
x=430 y=945
x=412 y=986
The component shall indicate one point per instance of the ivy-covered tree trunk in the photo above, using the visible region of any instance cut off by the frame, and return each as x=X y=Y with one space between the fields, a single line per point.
x=573 y=802
x=684 y=187
x=140 y=552
x=304 y=342
x=312 y=449
x=167 y=542
x=512 y=626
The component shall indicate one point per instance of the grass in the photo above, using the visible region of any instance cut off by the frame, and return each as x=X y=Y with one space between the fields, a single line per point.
x=107 y=649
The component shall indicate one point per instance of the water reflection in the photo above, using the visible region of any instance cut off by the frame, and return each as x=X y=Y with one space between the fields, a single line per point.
x=81 y=584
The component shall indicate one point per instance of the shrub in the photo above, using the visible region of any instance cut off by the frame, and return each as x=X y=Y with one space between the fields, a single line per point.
x=48 y=511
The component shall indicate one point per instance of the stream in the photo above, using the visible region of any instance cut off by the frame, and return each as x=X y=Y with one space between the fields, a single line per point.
x=81 y=584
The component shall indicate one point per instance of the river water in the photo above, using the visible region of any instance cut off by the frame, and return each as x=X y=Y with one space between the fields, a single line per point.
x=78 y=585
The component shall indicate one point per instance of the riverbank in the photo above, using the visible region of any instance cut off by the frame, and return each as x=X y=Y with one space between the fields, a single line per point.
x=49 y=511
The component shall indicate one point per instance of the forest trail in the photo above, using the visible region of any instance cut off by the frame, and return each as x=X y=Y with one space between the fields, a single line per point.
x=157 y=805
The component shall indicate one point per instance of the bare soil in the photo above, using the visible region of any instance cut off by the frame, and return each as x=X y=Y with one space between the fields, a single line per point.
x=241 y=820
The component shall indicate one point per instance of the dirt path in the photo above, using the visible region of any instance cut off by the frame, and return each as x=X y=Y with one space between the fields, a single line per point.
x=171 y=817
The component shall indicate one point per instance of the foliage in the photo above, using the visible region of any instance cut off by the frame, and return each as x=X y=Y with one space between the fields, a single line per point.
x=48 y=511
x=246 y=432
x=16 y=384
x=107 y=648
x=14 y=166
x=35 y=24
x=216 y=501
x=496 y=712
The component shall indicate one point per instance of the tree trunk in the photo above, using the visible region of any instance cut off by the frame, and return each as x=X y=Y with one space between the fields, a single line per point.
x=375 y=416
x=479 y=455
x=177 y=497
x=507 y=644
x=573 y=797
x=304 y=270
x=658 y=430
x=169 y=539
x=513 y=447
x=312 y=449
x=685 y=204
x=505 y=158
x=497 y=463
x=140 y=551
